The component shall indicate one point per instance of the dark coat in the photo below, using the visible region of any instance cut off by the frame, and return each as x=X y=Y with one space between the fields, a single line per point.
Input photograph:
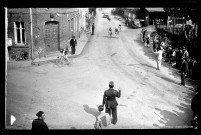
x=39 y=124
x=109 y=98
x=195 y=103
x=184 y=67
x=92 y=27
x=73 y=42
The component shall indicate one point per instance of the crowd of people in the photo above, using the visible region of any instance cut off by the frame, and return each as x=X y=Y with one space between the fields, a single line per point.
x=172 y=54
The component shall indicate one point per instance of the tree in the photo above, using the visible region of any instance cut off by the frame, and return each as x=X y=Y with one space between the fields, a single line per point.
x=186 y=12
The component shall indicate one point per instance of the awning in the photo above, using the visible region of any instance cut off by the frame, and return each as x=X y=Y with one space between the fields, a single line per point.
x=155 y=9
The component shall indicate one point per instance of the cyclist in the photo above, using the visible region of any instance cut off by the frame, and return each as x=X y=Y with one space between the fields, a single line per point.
x=119 y=27
x=110 y=31
x=64 y=54
x=116 y=31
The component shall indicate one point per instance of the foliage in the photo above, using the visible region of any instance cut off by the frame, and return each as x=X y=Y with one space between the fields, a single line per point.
x=186 y=12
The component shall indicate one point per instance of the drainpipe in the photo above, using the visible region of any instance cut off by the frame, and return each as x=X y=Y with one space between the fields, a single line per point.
x=31 y=21
x=6 y=33
x=6 y=48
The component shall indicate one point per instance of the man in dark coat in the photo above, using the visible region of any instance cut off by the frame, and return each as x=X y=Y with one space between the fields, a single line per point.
x=93 y=29
x=195 y=103
x=73 y=43
x=39 y=124
x=110 y=102
x=184 y=70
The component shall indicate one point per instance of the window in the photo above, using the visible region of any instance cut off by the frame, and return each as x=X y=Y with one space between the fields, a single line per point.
x=19 y=31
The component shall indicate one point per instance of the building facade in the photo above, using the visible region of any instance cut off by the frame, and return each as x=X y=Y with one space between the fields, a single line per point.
x=43 y=30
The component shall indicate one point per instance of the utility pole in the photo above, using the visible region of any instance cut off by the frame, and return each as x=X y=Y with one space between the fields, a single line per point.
x=31 y=22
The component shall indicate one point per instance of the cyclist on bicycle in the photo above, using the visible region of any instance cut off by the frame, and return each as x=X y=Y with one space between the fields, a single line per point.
x=110 y=31
x=116 y=31
x=64 y=54
x=119 y=27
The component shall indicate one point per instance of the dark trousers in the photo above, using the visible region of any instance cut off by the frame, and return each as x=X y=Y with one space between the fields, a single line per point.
x=92 y=31
x=113 y=112
x=72 y=50
x=183 y=78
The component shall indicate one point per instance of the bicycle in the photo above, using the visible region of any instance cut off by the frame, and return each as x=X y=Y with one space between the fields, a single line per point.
x=62 y=61
x=116 y=32
x=110 y=33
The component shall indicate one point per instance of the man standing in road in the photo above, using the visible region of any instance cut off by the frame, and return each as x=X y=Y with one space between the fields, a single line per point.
x=159 y=55
x=73 y=43
x=39 y=124
x=110 y=102
x=184 y=70
x=93 y=29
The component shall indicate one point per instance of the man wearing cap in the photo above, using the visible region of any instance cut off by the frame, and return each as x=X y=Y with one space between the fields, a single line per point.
x=39 y=124
x=184 y=70
x=110 y=102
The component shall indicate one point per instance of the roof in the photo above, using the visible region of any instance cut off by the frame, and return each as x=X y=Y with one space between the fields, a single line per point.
x=155 y=9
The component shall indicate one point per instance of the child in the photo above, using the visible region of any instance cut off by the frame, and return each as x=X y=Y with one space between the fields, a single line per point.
x=102 y=120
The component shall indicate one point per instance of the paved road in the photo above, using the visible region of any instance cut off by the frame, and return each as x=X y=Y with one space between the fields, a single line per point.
x=69 y=95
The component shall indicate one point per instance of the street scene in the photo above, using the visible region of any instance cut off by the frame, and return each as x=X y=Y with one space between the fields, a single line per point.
x=70 y=93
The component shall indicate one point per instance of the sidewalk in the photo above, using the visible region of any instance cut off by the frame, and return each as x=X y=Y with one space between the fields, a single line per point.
x=81 y=42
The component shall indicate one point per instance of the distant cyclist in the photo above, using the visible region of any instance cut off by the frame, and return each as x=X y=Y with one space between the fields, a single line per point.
x=116 y=31
x=110 y=32
x=119 y=27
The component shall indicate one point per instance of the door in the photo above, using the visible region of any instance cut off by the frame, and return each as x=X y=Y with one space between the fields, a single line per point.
x=51 y=36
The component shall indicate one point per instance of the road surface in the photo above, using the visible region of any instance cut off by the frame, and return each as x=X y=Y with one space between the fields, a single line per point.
x=69 y=95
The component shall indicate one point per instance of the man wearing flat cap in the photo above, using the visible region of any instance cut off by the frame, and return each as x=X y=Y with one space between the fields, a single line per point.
x=39 y=124
x=110 y=102
x=184 y=70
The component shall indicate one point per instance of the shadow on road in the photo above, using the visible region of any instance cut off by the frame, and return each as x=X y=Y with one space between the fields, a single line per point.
x=111 y=37
x=72 y=128
x=168 y=80
x=173 y=118
x=93 y=111
x=148 y=65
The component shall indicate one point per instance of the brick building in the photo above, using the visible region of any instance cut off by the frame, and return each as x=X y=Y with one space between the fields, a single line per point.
x=41 y=29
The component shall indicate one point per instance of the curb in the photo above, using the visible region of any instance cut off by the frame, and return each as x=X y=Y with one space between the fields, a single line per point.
x=82 y=41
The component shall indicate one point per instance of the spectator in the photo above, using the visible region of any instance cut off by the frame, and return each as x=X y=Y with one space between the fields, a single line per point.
x=143 y=35
x=185 y=52
x=93 y=29
x=39 y=124
x=73 y=43
x=147 y=37
x=173 y=55
x=190 y=65
x=184 y=70
x=156 y=43
x=195 y=70
x=179 y=56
